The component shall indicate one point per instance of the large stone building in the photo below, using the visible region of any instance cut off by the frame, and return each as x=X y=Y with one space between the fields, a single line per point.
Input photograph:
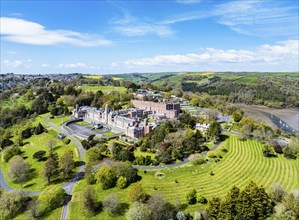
x=170 y=110
x=129 y=121
x=133 y=122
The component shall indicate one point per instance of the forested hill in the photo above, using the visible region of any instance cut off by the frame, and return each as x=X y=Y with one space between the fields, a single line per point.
x=279 y=90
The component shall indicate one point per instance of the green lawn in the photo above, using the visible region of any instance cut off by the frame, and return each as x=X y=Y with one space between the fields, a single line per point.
x=108 y=133
x=58 y=120
x=33 y=144
x=104 y=89
x=242 y=163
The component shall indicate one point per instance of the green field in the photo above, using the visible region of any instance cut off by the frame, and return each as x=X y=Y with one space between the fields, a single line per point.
x=242 y=163
x=104 y=89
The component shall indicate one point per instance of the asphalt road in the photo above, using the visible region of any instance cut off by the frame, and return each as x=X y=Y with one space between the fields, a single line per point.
x=69 y=186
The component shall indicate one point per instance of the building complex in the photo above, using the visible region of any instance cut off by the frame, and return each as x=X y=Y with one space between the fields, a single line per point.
x=133 y=122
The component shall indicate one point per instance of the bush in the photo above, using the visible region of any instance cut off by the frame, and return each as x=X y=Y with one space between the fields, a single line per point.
x=66 y=141
x=27 y=133
x=39 y=129
x=202 y=200
x=11 y=152
x=136 y=194
x=199 y=161
x=191 y=197
x=211 y=154
x=5 y=143
x=121 y=182
x=39 y=155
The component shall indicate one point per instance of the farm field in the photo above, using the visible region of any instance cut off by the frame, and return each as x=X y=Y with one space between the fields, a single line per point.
x=104 y=89
x=242 y=163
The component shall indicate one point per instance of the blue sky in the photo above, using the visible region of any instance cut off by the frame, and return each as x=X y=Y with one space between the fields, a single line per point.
x=100 y=37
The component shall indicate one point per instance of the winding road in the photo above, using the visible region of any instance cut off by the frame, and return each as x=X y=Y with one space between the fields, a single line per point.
x=68 y=187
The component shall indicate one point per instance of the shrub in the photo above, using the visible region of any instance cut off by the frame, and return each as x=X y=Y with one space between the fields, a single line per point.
x=202 y=200
x=39 y=129
x=66 y=141
x=278 y=149
x=136 y=194
x=211 y=154
x=191 y=197
x=121 y=182
x=199 y=161
x=39 y=155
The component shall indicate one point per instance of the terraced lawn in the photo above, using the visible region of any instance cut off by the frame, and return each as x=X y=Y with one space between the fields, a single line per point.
x=242 y=163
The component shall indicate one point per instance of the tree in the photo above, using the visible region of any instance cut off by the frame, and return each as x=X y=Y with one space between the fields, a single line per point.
x=89 y=200
x=214 y=130
x=159 y=208
x=67 y=164
x=51 y=198
x=237 y=116
x=11 y=152
x=138 y=211
x=89 y=174
x=254 y=203
x=268 y=150
x=33 y=209
x=39 y=155
x=106 y=177
x=292 y=149
x=136 y=194
x=191 y=197
x=26 y=133
x=39 y=129
x=277 y=193
x=18 y=169
x=291 y=204
x=12 y=203
x=50 y=144
x=214 y=207
x=93 y=155
x=111 y=204
x=51 y=168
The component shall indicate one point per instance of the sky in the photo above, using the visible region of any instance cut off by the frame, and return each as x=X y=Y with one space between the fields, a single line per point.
x=106 y=37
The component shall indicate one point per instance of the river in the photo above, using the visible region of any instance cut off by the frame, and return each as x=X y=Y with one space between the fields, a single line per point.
x=285 y=119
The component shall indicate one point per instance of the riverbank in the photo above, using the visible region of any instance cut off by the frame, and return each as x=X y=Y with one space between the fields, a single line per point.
x=290 y=116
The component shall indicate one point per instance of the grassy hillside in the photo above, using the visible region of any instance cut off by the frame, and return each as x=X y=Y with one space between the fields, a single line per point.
x=242 y=163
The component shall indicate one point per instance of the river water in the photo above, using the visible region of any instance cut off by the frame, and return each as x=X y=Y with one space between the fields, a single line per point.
x=281 y=124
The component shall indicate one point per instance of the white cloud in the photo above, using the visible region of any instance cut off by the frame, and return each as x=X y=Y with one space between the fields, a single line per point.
x=284 y=53
x=18 y=63
x=131 y=26
x=188 y=2
x=45 y=65
x=260 y=18
x=75 y=66
x=27 y=32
